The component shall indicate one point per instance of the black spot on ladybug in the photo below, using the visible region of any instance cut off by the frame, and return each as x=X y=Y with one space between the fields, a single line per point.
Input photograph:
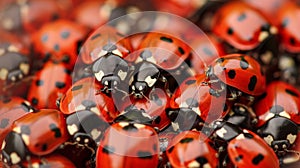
x=67 y=71
x=191 y=102
x=47 y=57
x=56 y=47
x=4 y=123
x=265 y=27
x=230 y=31
x=241 y=17
x=181 y=50
x=44 y=38
x=171 y=149
x=130 y=127
x=157 y=120
x=189 y=82
x=108 y=149
x=66 y=59
x=220 y=60
x=109 y=47
x=44 y=147
x=207 y=51
x=248 y=136
x=39 y=83
x=252 y=83
x=285 y=22
x=6 y=100
x=145 y=54
x=244 y=64
x=34 y=101
x=157 y=100
x=201 y=160
x=56 y=130
x=186 y=140
x=144 y=155
x=95 y=36
x=25 y=129
x=231 y=74
x=154 y=147
x=166 y=39
x=292 y=41
x=65 y=34
x=276 y=109
x=291 y=92
x=77 y=87
x=257 y=159
x=60 y=85
x=55 y=16
x=263 y=95
x=238 y=158
x=88 y=104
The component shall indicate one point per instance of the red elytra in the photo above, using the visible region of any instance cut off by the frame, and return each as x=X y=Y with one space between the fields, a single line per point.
x=195 y=95
x=161 y=49
x=43 y=131
x=240 y=71
x=288 y=18
x=53 y=160
x=86 y=94
x=128 y=145
x=104 y=40
x=279 y=95
x=59 y=41
x=249 y=150
x=192 y=149
x=50 y=83
x=240 y=25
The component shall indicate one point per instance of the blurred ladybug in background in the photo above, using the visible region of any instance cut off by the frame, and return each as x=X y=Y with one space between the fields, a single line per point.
x=53 y=160
x=50 y=83
x=245 y=30
x=59 y=41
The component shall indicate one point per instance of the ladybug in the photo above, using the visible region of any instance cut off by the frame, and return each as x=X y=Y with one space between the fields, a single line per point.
x=288 y=26
x=29 y=15
x=106 y=40
x=280 y=99
x=237 y=142
x=59 y=41
x=52 y=160
x=50 y=83
x=192 y=149
x=14 y=65
x=85 y=94
x=241 y=73
x=127 y=145
x=11 y=109
x=28 y=136
x=192 y=104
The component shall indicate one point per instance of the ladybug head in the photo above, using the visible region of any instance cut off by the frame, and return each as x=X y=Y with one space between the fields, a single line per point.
x=225 y=131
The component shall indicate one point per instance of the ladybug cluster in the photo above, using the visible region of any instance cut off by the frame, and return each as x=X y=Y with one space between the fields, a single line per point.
x=83 y=86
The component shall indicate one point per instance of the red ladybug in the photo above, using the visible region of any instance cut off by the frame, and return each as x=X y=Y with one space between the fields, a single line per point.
x=192 y=149
x=105 y=40
x=238 y=142
x=279 y=95
x=59 y=41
x=85 y=94
x=38 y=133
x=288 y=17
x=53 y=160
x=239 y=71
x=193 y=98
x=127 y=145
x=50 y=83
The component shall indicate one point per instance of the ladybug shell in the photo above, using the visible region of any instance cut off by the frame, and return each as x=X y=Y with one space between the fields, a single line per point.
x=280 y=99
x=162 y=50
x=288 y=17
x=85 y=95
x=59 y=40
x=241 y=72
x=248 y=149
x=127 y=145
x=51 y=161
x=196 y=96
x=11 y=109
x=42 y=131
x=192 y=149
x=105 y=40
x=240 y=25
x=50 y=83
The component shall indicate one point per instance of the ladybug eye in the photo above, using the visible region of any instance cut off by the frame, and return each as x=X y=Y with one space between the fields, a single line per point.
x=230 y=31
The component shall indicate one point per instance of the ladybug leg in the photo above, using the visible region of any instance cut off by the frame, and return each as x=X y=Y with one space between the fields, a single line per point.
x=291 y=156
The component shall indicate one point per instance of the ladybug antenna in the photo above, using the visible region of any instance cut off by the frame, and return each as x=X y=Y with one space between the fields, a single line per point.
x=291 y=156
